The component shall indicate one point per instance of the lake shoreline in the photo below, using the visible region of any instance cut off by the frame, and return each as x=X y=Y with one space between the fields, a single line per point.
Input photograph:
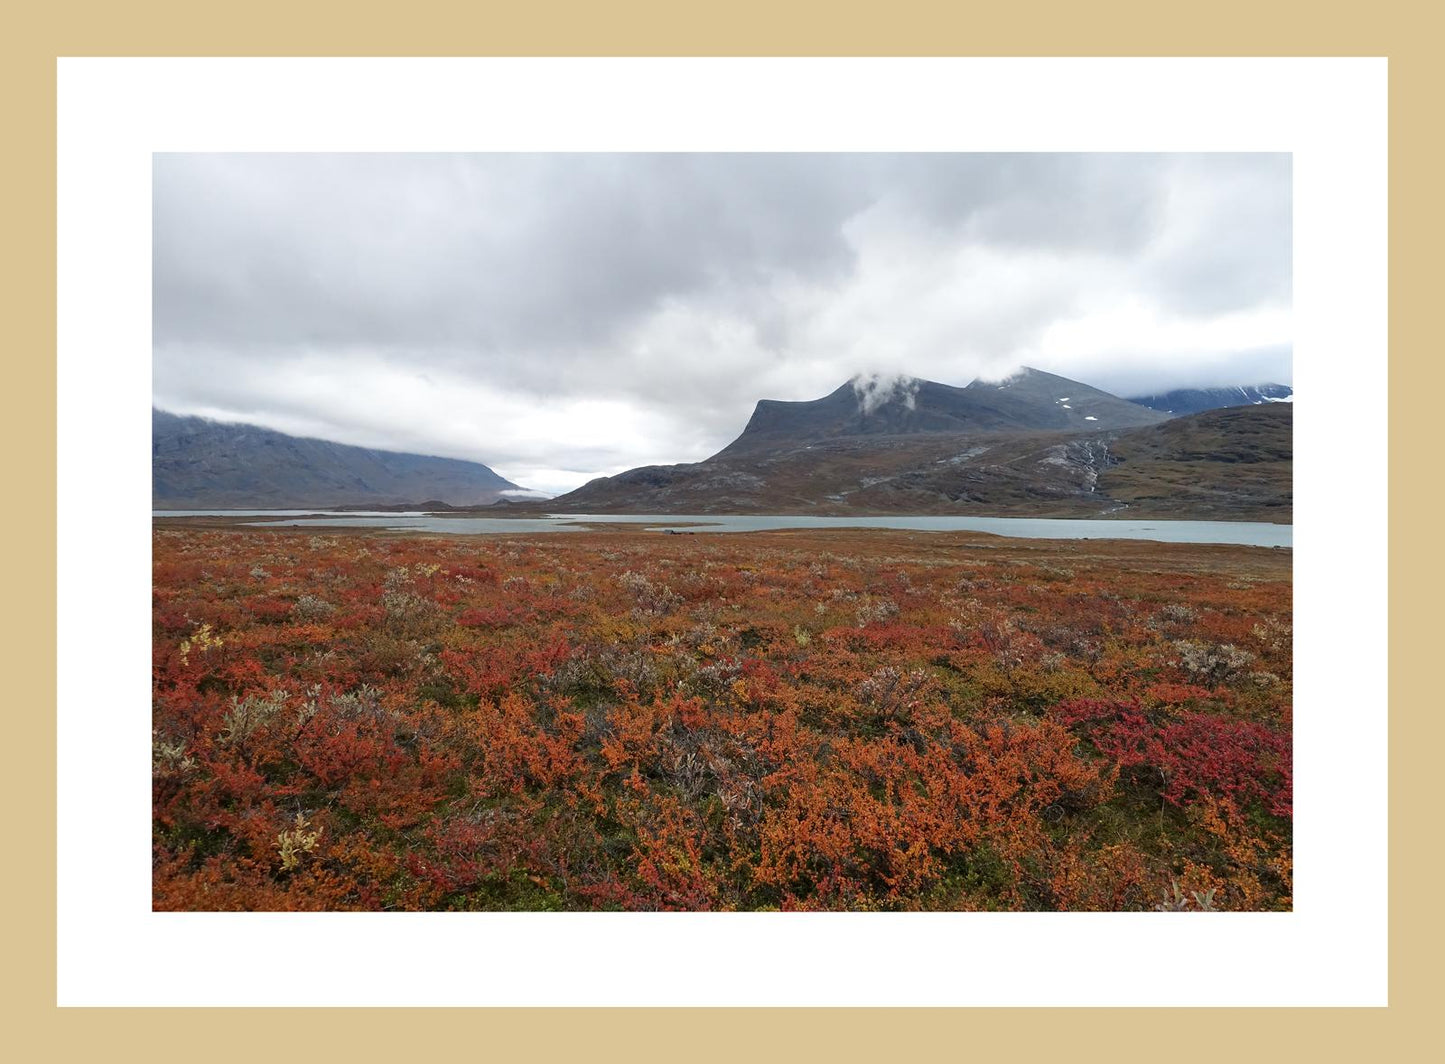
x=1239 y=533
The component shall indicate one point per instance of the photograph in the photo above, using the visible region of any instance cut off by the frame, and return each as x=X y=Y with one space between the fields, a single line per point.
x=735 y=532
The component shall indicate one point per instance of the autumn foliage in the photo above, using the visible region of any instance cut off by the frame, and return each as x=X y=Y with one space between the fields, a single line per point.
x=792 y=720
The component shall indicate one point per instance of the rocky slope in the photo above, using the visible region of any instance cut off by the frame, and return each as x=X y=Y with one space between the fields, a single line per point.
x=1220 y=464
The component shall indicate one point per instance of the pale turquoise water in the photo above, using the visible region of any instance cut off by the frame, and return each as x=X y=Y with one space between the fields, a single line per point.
x=1247 y=533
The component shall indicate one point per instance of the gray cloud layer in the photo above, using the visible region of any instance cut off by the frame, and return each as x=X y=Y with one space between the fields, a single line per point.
x=563 y=316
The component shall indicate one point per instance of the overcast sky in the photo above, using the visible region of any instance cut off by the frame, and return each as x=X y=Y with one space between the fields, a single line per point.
x=561 y=317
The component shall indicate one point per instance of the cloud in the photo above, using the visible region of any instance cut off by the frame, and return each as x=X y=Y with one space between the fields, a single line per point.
x=562 y=316
x=874 y=390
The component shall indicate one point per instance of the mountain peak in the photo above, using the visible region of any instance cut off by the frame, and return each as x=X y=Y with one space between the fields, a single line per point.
x=1034 y=442
x=1023 y=373
x=1030 y=400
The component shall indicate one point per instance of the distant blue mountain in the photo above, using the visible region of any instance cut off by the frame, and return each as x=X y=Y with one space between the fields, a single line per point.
x=1195 y=400
x=198 y=463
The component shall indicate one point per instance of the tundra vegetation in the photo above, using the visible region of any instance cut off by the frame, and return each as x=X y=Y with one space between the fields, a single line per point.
x=790 y=720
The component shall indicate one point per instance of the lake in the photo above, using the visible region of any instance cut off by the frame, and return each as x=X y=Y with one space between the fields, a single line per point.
x=1245 y=533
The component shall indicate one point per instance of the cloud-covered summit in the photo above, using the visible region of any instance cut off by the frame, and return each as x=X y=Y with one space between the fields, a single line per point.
x=563 y=316
x=874 y=390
